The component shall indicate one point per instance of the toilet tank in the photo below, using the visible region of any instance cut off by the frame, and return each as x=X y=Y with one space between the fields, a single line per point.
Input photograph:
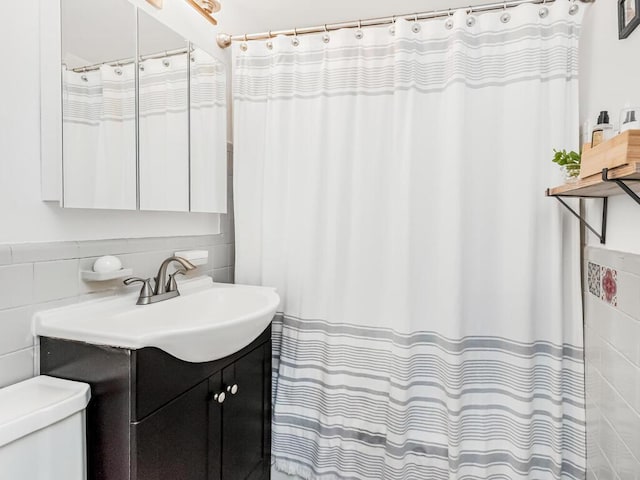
x=42 y=430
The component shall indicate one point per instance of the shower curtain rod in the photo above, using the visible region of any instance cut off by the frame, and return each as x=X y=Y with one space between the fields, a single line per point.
x=224 y=39
x=129 y=61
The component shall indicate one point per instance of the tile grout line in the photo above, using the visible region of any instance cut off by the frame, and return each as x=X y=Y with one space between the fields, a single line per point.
x=220 y=235
x=20 y=350
x=615 y=390
x=620 y=439
x=622 y=354
x=608 y=462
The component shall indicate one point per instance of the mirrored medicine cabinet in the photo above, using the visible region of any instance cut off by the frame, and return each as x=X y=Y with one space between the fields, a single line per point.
x=143 y=113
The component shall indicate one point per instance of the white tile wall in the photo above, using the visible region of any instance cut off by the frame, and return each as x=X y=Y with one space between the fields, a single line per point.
x=612 y=353
x=5 y=255
x=39 y=276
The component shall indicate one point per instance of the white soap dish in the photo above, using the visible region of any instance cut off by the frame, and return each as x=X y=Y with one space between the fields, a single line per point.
x=91 y=276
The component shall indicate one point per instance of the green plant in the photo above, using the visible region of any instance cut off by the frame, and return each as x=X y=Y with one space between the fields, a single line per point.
x=570 y=161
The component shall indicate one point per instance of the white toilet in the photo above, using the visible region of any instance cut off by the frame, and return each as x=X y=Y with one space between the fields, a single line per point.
x=42 y=430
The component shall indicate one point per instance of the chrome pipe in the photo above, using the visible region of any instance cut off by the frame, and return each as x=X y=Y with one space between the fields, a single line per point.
x=129 y=61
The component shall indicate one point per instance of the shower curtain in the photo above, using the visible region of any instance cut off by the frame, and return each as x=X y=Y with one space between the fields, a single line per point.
x=390 y=183
x=164 y=134
x=207 y=125
x=99 y=126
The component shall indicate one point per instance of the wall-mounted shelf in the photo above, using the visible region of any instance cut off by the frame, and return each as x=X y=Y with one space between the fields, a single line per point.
x=615 y=181
x=597 y=185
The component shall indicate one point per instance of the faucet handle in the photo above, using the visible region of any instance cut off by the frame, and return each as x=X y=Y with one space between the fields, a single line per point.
x=172 y=285
x=146 y=290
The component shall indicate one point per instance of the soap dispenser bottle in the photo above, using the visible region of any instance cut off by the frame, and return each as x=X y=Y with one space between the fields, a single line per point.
x=603 y=131
x=629 y=119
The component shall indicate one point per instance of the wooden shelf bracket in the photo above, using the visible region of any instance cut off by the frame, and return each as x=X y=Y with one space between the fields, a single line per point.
x=621 y=183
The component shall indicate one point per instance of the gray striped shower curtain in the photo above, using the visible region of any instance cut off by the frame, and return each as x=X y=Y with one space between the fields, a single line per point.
x=390 y=183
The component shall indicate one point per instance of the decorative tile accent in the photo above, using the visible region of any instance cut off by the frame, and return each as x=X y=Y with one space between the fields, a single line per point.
x=609 y=285
x=594 y=279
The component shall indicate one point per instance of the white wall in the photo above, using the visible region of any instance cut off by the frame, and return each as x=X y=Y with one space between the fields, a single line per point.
x=610 y=78
x=23 y=216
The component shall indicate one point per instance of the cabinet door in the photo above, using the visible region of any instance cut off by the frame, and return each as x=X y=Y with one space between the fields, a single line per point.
x=215 y=427
x=243 y=424
x=172 y=442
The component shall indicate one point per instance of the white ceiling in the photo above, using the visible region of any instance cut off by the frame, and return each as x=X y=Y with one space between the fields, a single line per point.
x=250 y=16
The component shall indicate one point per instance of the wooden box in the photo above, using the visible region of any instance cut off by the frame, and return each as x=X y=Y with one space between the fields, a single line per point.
x=620 y=150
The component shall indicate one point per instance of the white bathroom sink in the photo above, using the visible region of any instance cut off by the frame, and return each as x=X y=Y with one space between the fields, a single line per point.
x=206 y=322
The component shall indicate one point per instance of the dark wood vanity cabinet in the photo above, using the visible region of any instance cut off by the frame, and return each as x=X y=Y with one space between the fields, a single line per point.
x=154 y=417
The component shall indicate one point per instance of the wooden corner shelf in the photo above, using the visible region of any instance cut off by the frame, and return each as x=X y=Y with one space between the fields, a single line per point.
x=596 y=186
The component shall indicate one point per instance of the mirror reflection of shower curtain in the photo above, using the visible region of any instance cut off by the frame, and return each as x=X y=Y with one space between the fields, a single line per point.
x=164 y=134
x=99 y=138
x=208 y=131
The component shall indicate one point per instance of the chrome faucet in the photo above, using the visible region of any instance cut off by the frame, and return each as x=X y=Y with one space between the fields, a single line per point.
x=164 y=289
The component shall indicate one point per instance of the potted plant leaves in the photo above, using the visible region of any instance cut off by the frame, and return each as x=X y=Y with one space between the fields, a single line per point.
x=570 y=163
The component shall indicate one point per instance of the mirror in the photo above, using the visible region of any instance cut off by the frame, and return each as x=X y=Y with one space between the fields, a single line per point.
x=208 y=124
x=143 y=113
x=163 y=117
x=98 y=104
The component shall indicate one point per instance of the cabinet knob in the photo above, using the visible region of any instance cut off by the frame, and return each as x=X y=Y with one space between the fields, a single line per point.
x=233 y=389
x=220 y=397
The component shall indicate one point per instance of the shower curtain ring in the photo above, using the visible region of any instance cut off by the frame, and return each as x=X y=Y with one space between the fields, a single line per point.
x=574 y=8
x=359 y=24
x=471 y=20
x=416 y=26
x=270 y=35
x=243 y=46
x=326 y=38
x=506 y=16
x=449 y=23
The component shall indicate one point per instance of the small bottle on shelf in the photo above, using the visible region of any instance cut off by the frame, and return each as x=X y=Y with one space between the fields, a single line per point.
x=629 y=119
x=603 y=131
